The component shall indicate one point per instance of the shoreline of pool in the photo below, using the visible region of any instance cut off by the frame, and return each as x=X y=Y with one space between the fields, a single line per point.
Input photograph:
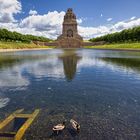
x=115 y=49
x=32 y=49
x=36 y=49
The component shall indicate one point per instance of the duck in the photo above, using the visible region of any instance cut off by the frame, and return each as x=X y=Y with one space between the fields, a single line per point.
x=75 y=125
x=59 y=127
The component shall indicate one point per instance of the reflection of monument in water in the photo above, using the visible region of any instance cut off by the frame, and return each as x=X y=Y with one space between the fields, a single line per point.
x=70 y=60
x=70 y=37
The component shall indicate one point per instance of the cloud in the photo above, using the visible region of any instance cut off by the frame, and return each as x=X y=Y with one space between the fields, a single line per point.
x=17 y=80
x=109 y=19
x=43 y=22
x=46 y=68
x=79 y=21
x=50 y=24
x=32 y=12
x=132 y=18
x=90 y=32
x=91 y=59
x=126 y=24
x=4 y=102
x=8 y=8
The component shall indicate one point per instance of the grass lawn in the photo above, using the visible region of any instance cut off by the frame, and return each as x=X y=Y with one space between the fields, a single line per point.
x=133 y=46
x=14 y=45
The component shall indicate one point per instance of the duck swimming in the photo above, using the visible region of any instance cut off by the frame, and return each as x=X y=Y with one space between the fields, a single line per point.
x=75 y=125
x=59 y=127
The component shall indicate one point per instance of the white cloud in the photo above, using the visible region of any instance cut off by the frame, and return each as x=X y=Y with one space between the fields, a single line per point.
x=17 y=80
x=90 y=32
x=7 y=10
x=88 y=61
x=32 y=12
x=43 y=22
x=46 y=68
x=79 y=21
x=109 y=19
x=132 y=18
x=50 y=24
x=128 y=24
x=4 y=102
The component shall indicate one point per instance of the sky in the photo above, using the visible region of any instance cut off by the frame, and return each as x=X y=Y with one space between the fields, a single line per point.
x=45 y=17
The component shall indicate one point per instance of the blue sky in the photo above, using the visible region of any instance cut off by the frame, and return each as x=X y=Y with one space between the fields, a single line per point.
x=90 y=10
x=44 y=17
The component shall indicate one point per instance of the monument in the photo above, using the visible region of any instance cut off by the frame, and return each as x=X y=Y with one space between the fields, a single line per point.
x=70 y=37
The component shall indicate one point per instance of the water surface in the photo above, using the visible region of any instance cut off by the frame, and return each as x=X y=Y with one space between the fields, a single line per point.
x=100 y=89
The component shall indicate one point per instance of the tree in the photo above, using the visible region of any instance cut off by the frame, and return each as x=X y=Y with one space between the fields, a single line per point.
x=6 y=35
x=128 y=35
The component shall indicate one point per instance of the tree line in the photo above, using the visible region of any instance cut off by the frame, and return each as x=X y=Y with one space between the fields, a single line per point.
x=6 y=35
x=128 y=35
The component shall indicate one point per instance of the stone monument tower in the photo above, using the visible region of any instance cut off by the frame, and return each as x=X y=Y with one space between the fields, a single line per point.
x=70 y=37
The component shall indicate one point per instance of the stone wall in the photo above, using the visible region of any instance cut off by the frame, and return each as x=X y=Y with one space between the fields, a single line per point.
x=94 y=43
x=45 y=43
x=69 y=43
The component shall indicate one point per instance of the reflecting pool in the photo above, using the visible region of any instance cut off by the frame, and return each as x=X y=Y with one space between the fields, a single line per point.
x=98 y=88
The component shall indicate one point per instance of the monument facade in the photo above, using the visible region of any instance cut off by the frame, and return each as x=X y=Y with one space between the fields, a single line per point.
x=70 y=37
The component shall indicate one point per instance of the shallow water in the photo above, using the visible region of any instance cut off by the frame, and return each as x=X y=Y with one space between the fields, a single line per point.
x=100 y=89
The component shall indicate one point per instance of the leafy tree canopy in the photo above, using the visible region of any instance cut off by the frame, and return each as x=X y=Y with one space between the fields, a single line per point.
x=6 y=35
x=128 y=35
